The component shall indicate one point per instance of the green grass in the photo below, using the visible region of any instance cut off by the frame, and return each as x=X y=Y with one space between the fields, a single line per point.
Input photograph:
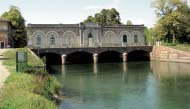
x=183 y=47
x=27 y=91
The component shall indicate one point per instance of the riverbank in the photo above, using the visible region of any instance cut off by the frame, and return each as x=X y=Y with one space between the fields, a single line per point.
x=165 y=53
x=29 y=90
x=183 y=47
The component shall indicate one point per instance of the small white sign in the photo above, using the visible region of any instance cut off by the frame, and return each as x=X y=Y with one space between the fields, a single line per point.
x=21 y=57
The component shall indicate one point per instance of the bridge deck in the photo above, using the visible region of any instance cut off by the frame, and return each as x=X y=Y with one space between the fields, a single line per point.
x=92 y=50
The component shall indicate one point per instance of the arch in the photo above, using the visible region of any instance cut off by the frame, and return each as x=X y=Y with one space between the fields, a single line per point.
x=39 y=33
x=109 y=56
x=56 y=60
x=122 y=34
x=52 y=40
x=136 y=39
x=69 y=38
x=79 y=57
x=108 y=38
x=52 y=35
x=138 y=55
x=90 y=35
x=136 y=36
x=89 y=41
x=125 y=38
x=36 y=36
x=38 y=40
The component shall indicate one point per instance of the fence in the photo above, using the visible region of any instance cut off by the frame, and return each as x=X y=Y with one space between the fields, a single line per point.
x=85 y=45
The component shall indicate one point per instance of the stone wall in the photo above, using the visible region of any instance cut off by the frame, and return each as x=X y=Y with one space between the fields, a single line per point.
x=77 y=35
x=162 y=53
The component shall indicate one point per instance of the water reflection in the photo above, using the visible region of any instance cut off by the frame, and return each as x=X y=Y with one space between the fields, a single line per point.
x=168 y=69
x=134 y=85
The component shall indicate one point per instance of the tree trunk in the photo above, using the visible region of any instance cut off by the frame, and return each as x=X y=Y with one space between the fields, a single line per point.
x=173 y=38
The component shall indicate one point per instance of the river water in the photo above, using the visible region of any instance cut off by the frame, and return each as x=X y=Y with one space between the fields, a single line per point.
x=133 y=85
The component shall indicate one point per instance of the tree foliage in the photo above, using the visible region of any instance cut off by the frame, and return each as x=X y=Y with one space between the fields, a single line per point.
x=129 y=22
x=19 y=31
x=106 y=16
x=173 y=21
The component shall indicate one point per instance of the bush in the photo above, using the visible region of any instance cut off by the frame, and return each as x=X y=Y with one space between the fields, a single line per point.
x=32 y=89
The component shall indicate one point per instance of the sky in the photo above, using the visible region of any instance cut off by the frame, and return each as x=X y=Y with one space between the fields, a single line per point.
x=75 y=11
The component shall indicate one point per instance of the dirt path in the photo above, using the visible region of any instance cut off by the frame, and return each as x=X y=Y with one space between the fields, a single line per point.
x=3 y=71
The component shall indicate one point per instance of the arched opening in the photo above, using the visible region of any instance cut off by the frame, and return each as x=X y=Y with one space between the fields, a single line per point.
x=90 y=39
x=138 y=55
x=79 y=58
x=51 y=58
x=124 y=38
x=38 y=40
x=52 y=40
x=135 y=39
x=109 y=56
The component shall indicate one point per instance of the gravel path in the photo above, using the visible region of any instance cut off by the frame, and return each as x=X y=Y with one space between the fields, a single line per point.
x=3 y=71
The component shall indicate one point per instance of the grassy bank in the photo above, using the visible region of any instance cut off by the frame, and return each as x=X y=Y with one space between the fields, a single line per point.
x=183 y=47
x=27 y=91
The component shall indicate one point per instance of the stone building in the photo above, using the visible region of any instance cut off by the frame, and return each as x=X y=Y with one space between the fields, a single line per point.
x=84 y=35
x=5 y=34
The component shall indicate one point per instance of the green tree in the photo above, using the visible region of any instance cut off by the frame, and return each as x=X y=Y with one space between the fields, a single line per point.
x=165 y=7
x=129 y=22
x=106 y=16
x=173 y=20
x=19 y=31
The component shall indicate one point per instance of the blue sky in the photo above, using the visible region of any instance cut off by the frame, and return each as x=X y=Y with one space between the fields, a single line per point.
x=75 y=11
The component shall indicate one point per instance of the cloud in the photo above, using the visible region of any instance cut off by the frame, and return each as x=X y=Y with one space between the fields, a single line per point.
x=92 y=7
x=96 y=7
x=116 y=1
x=112 y=4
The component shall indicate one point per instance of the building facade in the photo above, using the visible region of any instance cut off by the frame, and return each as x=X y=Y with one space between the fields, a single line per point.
x=84 y=35
x=6 y=40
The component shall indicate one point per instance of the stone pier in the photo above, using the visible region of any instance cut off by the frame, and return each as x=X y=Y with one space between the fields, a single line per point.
x=95 y=58
x=63 y=59
x=124 y=57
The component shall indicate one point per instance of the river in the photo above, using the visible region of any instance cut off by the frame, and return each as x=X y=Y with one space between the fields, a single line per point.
x=133 y=85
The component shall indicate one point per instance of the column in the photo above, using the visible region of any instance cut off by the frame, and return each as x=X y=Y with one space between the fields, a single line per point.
x=95 y=58
x=81 y=37
x=63 y=59
x=124 y=57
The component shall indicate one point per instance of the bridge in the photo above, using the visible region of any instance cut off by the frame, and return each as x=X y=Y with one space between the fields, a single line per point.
x=93 y=54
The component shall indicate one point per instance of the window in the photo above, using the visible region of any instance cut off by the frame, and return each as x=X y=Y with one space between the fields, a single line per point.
x=90 y=35
x=125 y=38
x=135 y=39
x=52 y=40
x=38 y=40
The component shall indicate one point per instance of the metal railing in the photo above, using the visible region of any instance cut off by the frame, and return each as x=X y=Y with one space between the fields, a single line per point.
x=85 y=45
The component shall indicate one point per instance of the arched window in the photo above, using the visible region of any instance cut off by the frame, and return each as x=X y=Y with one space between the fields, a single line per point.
x=125 y=38
x=90 y=35
x=38 y=40
x=52 y=40
x=135 y=39
x=90 y=39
